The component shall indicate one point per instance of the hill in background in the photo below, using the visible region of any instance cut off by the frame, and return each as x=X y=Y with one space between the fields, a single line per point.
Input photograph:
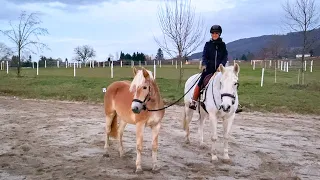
x=268 y=46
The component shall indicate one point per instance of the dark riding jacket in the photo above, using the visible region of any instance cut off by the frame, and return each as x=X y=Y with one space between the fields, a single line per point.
x=214 y=54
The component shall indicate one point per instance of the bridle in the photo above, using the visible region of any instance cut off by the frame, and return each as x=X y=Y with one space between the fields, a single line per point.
x=146 y=99
x=232 y=96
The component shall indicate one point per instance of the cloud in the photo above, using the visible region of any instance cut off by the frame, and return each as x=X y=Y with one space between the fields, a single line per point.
x=67 y=2
x=111 y=26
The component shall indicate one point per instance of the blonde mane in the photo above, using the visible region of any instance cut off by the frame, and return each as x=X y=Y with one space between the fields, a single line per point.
x=139 y=79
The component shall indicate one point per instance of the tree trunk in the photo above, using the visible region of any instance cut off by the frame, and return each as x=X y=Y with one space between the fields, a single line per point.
x=180 y=69
x=19 y=56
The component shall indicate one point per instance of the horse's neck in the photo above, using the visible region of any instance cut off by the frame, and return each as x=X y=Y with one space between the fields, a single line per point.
x=156 y=94
x=216 y=82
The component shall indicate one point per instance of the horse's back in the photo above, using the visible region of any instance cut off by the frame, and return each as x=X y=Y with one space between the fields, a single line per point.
x=189 y=86
x=116 y=90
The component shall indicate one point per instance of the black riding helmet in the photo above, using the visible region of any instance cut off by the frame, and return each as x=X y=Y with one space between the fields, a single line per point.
x=216 y=28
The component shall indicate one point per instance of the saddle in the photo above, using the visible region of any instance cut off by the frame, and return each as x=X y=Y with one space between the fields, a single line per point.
x=204 y=87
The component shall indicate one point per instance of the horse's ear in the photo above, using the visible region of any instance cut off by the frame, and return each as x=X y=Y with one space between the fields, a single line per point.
x=236 y=68
x=134 y=71
x=221 y=68
x=145 y=73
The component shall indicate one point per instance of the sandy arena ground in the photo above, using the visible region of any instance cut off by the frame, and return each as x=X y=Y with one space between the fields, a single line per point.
x=64 y=140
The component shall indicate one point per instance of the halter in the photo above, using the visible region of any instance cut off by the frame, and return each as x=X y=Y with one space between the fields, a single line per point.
x=225 y=95
x=146 y=99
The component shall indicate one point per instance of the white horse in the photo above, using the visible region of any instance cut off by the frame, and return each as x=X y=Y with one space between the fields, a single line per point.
x=221 y=102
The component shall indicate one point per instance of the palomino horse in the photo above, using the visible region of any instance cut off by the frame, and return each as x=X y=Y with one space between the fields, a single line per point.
x=221 y=102
x=128 y=102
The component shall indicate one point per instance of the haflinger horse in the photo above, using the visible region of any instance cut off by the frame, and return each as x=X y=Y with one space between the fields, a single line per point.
x=129 y=102
x=220 y=102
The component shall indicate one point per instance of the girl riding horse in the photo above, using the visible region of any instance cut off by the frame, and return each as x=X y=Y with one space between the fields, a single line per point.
x=214 y=54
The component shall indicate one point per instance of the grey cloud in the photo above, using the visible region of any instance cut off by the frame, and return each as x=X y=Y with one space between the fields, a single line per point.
x=68 y=2
x=249 y=18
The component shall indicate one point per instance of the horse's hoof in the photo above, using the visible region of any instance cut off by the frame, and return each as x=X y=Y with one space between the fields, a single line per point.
x=214 y=158
x=155 y=169
x=187 y=141
x=121 y=153
x=202 y=145
x=139 y=171
x=227 y=161
x=106 y=146
x=106 y=155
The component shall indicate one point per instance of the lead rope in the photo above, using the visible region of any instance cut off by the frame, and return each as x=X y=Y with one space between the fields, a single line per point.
x=176 y=100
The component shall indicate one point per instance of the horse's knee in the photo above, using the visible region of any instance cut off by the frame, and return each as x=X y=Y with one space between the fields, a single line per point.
x=214 y=138
x=154 y=147
x=226 y=136
x=139 y=147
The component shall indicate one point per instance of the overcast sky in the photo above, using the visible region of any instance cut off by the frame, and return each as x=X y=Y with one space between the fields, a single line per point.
x=112 y=26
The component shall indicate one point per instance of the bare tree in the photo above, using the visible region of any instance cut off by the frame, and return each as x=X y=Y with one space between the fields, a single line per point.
x=303 y=15
x=275 y=46
x=182 y=31
x=5 y=52
x=25 y=34
x=84 y=53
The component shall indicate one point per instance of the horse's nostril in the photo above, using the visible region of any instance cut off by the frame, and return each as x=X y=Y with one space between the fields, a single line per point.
x=135 y=109
x=225 y=108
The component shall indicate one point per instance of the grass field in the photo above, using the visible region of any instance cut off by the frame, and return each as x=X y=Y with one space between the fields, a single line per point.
x=283 y=96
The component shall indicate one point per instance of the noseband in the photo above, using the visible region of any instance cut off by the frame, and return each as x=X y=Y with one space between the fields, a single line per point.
x=230 y=95
x=233 y=97
x=146 y=99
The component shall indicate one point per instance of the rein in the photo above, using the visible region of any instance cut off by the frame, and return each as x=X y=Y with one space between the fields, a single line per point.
x=147 y=98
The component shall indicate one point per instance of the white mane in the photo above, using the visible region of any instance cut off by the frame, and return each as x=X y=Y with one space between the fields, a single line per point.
x=139 y=79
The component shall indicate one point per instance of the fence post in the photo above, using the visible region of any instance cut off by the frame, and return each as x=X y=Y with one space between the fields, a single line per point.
x=7 y=67
x=37 y=68
x=154 y=68
x=275 y=71
x=112 y=69
x=262 y=77
x=74 y=69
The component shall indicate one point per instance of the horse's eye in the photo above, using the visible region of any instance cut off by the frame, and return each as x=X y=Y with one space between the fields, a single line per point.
x=235 y=84
x=144 y=87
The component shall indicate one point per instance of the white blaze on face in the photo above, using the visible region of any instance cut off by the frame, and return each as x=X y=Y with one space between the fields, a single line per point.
x=138 y=81
x=228 y=86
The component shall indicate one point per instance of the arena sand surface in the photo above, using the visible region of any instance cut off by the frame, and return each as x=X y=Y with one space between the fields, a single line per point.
x=46 y=139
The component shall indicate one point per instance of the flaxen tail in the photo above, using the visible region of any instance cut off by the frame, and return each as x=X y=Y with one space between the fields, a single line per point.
x=114 y=127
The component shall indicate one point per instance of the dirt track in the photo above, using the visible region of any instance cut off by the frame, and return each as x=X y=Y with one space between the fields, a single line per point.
x=64 y=140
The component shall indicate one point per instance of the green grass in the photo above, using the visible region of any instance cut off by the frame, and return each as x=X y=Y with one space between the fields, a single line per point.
x=283 y=96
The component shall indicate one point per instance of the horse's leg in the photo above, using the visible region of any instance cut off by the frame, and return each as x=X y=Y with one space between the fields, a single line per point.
x=227 y=123
x=155 y=133
x=187 y=117
x=214 y=122
x=201 y=120
x=139 y=139
x=109 y=119
x=122 y=125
